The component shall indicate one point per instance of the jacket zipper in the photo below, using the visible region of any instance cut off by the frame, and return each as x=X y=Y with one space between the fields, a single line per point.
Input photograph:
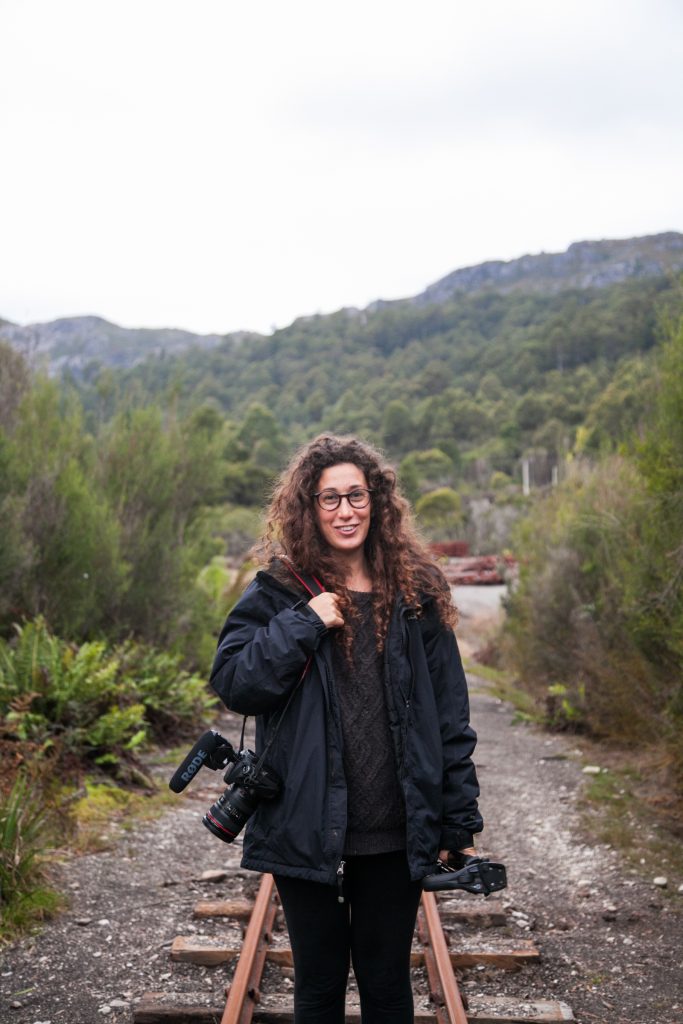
x=340 y=881
x=406 y=700
x=328 y=689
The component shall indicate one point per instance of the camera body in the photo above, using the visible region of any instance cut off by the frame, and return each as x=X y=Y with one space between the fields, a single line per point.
x=249 y=781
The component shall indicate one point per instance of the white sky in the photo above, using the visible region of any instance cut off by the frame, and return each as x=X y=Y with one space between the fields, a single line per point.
x=217 y=165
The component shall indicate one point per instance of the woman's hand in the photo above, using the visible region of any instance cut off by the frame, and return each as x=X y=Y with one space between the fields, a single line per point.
x=326 y=607
x=469 y=851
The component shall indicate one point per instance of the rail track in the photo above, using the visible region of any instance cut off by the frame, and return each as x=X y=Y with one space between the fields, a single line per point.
x=262 y=943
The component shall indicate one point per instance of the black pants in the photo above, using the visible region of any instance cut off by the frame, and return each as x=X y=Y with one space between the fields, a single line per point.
x=373 y=929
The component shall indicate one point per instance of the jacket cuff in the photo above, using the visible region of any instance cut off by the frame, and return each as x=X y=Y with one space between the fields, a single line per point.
x=311 y=616
x=455 y=839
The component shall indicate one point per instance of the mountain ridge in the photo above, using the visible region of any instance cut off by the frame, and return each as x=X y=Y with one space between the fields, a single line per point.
x=73 y=342
x=585 y=264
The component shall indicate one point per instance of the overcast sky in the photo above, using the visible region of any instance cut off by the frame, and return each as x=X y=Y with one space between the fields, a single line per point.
x=216 y=165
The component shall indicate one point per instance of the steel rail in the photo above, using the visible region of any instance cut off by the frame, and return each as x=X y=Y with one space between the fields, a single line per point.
x=442 y=980
x=244 y=990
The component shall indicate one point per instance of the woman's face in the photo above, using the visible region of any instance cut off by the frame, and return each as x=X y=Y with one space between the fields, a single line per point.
x=344 y=528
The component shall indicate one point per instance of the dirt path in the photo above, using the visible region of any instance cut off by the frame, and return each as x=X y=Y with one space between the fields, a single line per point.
x=611 y=942
x=481 y=612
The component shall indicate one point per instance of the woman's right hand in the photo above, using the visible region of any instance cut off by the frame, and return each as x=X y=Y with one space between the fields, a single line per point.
x=326 y=607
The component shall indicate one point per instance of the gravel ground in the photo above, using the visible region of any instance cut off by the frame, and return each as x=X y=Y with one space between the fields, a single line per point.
x=611 y=941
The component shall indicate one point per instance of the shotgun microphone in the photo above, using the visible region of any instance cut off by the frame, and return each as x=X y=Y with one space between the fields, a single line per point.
x=212 y=750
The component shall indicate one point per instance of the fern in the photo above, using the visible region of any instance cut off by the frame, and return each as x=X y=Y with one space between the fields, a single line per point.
x=94 y=700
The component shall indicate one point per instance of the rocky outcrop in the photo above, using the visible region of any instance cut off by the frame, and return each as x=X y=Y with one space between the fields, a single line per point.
x=583 y=265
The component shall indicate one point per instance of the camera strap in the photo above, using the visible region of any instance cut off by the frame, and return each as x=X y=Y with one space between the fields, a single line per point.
x=306 y=582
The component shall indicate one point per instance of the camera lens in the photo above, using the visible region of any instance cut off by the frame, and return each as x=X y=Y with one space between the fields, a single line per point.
x=226 y=818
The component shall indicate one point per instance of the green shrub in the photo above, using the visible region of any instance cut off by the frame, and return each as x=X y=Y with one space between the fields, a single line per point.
x=95 y=701
x=24 y=837
x=573 y=617
x=422 y=471
x=440 y=513
x=594 y=624
x=174 y=700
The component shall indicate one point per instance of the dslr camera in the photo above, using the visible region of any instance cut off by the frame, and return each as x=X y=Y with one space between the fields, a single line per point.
x=249 y=781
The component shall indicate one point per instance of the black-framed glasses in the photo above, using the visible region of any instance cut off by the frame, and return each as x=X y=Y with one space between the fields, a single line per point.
x=330 y=500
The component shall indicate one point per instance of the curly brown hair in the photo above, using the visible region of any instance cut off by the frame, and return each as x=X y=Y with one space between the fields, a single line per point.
x=397 y=559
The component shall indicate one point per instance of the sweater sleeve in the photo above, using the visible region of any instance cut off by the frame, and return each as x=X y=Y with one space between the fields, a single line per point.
x=461 y=817
x=262 y=652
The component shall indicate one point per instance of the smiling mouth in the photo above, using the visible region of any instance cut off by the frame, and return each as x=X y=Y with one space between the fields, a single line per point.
x=347 y=529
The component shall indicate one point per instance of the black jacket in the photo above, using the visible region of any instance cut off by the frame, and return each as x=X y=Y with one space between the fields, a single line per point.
x=262 y=652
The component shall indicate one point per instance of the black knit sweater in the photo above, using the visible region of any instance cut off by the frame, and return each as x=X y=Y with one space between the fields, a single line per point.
x=375 y=807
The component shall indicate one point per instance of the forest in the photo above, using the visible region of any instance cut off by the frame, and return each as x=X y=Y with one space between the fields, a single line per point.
x=482 y=377
x=129 y=500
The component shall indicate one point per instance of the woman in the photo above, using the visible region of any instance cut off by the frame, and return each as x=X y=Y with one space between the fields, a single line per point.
x=374 y=746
